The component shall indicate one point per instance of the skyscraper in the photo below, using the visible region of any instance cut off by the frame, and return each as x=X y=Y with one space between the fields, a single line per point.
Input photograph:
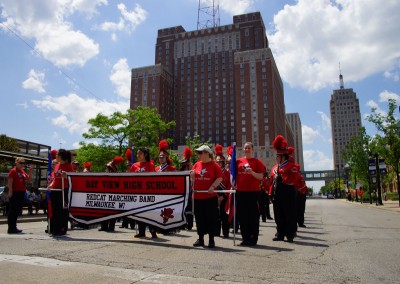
x=295 y=125
x=221 y=83
x=345 y=121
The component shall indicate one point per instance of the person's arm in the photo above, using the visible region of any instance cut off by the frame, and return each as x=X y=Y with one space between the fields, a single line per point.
x=215 y=184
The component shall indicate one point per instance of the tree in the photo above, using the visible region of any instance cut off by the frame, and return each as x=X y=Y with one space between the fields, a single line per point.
x=142 y=126
x=357 y=153
x=97 y=155
x=8 y=144
x=389 y=144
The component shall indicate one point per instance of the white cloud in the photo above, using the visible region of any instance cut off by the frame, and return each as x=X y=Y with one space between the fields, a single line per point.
x=35 y=81
x=326 y=121
x=316 y=161
x=309 y=134
x=121 y=78
x=235 y=7
x=73 y=112
x=55 y=39
x=392 y=75
x=128 y=21
x=385 y=96
x=87 y=6
x=312 y=36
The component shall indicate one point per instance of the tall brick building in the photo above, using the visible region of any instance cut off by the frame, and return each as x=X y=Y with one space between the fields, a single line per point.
x=221 y=83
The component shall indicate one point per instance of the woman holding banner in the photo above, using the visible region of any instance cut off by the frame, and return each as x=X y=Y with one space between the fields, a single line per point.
x=59 y=194
x=206 y=175
x=143 y=165
x=250 y=171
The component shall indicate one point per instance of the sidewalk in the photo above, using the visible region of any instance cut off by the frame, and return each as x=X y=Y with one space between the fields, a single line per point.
x=26 y=217
x=387 y=205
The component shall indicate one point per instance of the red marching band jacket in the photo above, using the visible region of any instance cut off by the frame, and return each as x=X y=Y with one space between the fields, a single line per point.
x=290 y=175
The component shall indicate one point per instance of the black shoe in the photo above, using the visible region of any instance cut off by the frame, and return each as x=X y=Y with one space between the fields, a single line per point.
x=270 y=218
x=140 y=235
x=277 y=239
x=225 y=237
x=245 y=244
x=290 y=240
x=154 y=235
x=199 y=243
x=211 y=244
x=302 y=225
x=14 y=231
x=264 y=220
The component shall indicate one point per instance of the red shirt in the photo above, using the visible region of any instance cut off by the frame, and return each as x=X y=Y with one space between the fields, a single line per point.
x=57 y=181
x=244 y=179
x=205 y=175
x=19 y=178
x=288 y=171
x=142 y=167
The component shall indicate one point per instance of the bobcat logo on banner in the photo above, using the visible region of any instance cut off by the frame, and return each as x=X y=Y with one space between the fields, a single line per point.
x=158 y=198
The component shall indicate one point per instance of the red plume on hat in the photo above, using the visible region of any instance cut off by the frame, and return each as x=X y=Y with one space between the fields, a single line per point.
x=187 y=153
x=280 y=145
x=118 y=160
x=87 y=165
x=128 y=155
x=229 y=151
x=162 y=147
x=53 y=154
x=218 y=153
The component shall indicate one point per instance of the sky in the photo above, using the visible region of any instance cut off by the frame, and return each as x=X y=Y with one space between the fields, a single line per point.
x=64 y=61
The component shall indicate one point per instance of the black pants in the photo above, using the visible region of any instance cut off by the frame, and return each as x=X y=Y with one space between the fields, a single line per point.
x=15 y=207
x=206 y=214
x=189 y=213
x=128 y=221
x=248 y=215
x=301 y=207
x=109 y=225
x=223 y=222
x=59 y=219
x=263 y=202
x=285 y=210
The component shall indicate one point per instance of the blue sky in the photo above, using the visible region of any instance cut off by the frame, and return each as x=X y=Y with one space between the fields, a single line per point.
x=64 y=61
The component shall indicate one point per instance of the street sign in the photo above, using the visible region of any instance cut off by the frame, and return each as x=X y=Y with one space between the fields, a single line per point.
x=382 y=166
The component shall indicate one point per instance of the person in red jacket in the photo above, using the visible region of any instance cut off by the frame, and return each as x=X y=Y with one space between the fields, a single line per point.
x=17 y=179
x=250 y=172
x=59 y=198
x=284 y=175
x=163 y=158
x=206 y=176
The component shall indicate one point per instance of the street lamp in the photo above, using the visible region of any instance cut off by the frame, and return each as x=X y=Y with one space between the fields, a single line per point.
x=338 y=172
x=346 y=176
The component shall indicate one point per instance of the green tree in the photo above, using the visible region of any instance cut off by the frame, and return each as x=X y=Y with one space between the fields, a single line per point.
x=356 y=154
x=142 y=126
x=388 y=144
x=8 y=144
x=97 y=155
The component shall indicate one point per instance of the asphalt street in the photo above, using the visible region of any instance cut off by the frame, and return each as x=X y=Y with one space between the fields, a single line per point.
x=344 y=242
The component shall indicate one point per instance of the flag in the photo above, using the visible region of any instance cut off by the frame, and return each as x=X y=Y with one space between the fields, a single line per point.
x=233 y=168
x=49 y=168
x=229 y=206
